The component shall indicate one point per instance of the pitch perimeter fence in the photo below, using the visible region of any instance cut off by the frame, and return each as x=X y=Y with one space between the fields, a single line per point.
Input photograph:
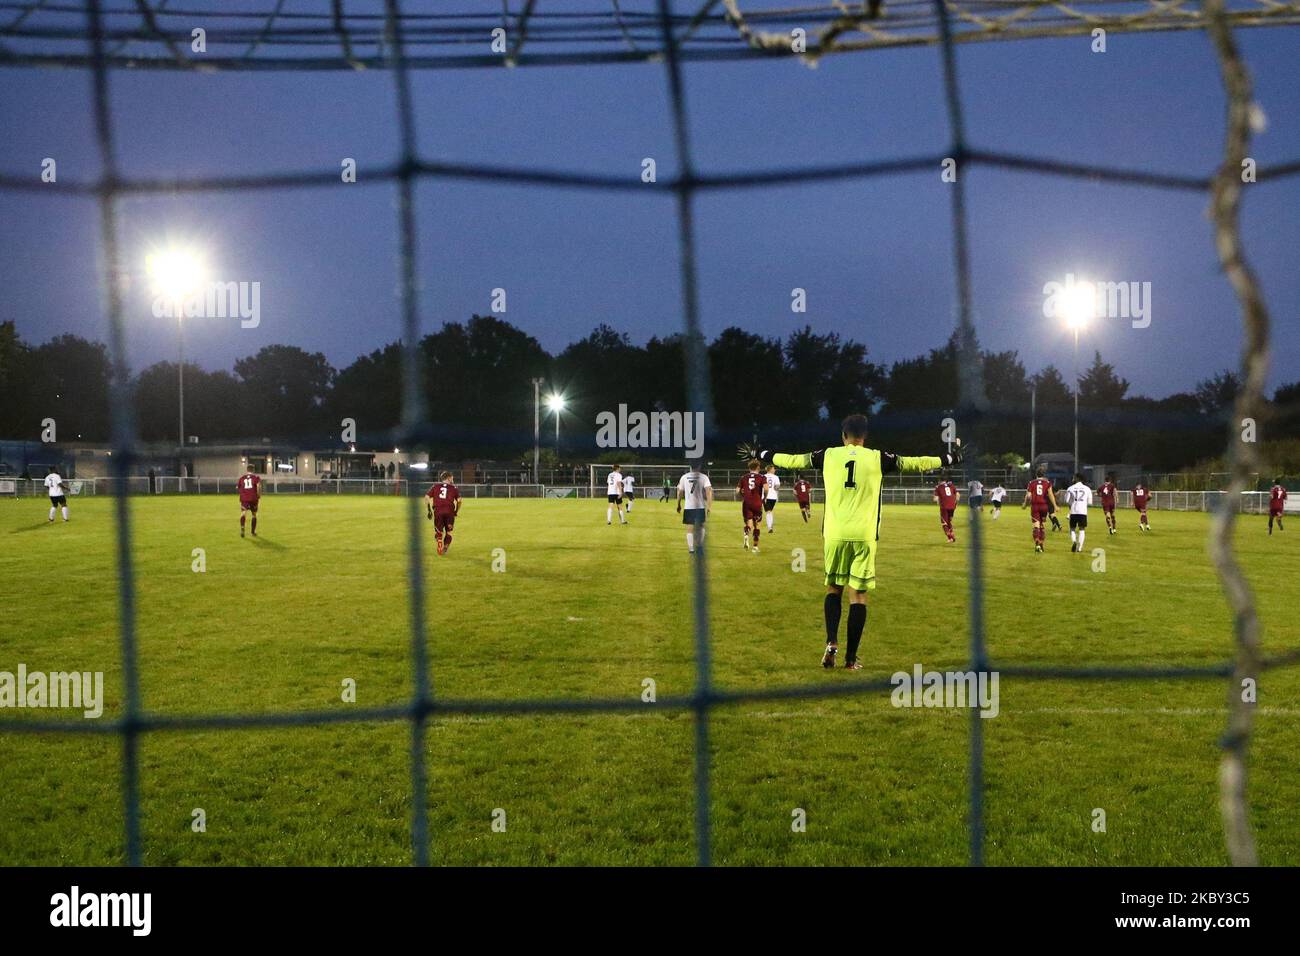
x=171 y=485
x=673 y=31
x=1246 y=502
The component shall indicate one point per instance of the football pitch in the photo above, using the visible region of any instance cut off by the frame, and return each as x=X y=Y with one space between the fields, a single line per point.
x=540 y=599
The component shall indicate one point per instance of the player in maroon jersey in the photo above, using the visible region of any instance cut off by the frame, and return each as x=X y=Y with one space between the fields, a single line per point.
x=1276 y=505
x=1039 y=497
x=803 y=495
x=1141 y=498
x=442 y=506
x=1107 y=494
x=250 y=493
x=946 y=494
x=751 y=489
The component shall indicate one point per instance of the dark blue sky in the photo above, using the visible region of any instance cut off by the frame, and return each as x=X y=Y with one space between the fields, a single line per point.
x=874 y=255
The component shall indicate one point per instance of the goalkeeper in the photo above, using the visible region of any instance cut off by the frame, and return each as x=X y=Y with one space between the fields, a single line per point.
x=851 y=475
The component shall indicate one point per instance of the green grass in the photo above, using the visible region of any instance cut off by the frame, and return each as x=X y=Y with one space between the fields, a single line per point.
x=588 y=610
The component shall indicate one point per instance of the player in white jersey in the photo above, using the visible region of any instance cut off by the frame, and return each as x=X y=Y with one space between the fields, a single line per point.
x=57 y=492
x=629 y=492
x=770 y=495
x=996 y=496
x=1078 y=496
x=695 y=492
x=614 y=494
x=976 y=488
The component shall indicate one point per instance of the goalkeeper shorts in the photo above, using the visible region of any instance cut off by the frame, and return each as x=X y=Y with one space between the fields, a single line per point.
x=851 y=563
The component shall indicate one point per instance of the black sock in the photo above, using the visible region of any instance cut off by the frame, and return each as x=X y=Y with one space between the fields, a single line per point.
x=857 y=622
x=832 y=609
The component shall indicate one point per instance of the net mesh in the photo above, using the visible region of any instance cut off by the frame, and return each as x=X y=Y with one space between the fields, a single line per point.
x=360 y=35
x=138 y=35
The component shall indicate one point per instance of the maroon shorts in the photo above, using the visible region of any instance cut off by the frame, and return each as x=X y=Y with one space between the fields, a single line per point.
x=1275 y=509
x=1038 y=512
x=803 y=502
x=248 y=504
x=945 y=515
x=444 y=520
x=1108 y=508
x=751 y=514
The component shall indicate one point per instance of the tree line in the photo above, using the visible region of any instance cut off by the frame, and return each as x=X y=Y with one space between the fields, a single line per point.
x=479 y=395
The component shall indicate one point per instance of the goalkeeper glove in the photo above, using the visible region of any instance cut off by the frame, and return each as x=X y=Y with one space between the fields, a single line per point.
x=952 y=457
x=749 y=451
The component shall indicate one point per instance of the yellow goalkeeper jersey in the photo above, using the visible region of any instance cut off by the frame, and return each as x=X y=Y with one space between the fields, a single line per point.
x=851 y=475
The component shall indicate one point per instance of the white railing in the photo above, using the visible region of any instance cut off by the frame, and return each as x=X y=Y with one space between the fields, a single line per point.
x=172 y=485
x=279 y=485
x=1250 y=502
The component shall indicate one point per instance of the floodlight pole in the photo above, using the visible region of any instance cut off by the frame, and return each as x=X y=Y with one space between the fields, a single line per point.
x=1033 y=421
x=180 y=371
x=537 y=427
x=1076 y=399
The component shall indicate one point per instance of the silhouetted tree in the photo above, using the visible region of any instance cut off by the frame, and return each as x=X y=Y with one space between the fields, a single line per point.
x=369 y=391
x=479 y=378
x=1006 y=424
x=285 y=390
x=213 y=404
x=480 y=397
x=67 y=380
x=664 y=370
x=601 y=371
x=15 y=366
x=828 y=378
x=1215 y=395
x=1055 y=404
x=748 y=373
x=1101 y=408
x=1286 y=416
